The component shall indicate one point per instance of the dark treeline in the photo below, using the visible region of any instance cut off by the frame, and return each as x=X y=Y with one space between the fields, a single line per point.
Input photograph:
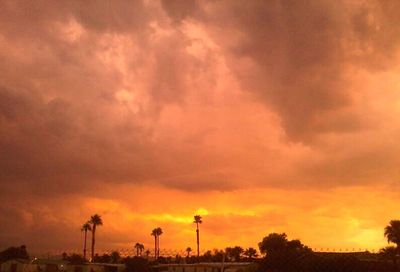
x=283 y=255
x=14 y=253
x=230 y=254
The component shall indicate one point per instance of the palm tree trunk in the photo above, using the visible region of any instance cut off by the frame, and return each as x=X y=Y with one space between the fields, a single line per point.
x=93 y=240
x=158 y=246
x=84 y=245
x=155 y=246
x=198 y=240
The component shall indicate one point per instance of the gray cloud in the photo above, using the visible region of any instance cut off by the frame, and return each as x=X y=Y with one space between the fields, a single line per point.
x=296 y=55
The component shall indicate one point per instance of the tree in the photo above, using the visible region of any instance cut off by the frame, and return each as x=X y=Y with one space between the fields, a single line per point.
x=178 y=259
x=154 y=233
x=272 y=243
x=188 y=250
x=218 y=255
x=390 y=253
x=392 y=232
x=138 y=248
x=197 y=221
x=76 y=259
x=284 y=255
x=105 y=258
x=159 y=233
x=233 y=253
x=115 y=257
x=147 y=252
x=95 y=220
x=141 y=248
x=14 y=253
x=250 y=253
x=207 y=256
x=85 y=228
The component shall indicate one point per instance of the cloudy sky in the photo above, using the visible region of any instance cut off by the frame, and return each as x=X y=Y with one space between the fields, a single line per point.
x=262 y=116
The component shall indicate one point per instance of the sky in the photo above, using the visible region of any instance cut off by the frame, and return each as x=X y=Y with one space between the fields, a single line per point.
x=261 y=116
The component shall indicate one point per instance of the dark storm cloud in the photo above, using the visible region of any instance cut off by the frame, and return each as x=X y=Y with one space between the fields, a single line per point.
x=61 y=119
x=62 y=126
x=296 y=55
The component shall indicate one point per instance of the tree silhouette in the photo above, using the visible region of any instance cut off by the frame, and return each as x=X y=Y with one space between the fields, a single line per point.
x=139 y=249
x=274 y=242
x=147 y=252
x=197 y=221
x=115 y=256
x=392 y=232
x=76 y=259
x=159 y=233
x=390 y=253
x=207 y=256
x=14 y=253
x=85 y=228
x=95 y=220
x=188 y=250
x=285 y=255
x=154 y=233
x=250 y=253
x=233 y=253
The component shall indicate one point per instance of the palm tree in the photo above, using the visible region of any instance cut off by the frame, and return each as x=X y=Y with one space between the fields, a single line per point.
x=188 y=250
x=392 y=232
x=159 y=232
x=154 y=233
x=86 y=227
x=139 y=249
x=95 y=220
x=137 y=246
x=197 y=221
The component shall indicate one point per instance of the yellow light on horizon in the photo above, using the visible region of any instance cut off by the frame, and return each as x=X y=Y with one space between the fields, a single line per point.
x=202 y=211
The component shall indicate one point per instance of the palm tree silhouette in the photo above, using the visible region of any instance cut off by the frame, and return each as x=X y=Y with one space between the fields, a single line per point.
x=154 y=233
x=392 y=232
x=86 y=227
x=197 y=221
x=95 y=220
x=139 y=249
x=188 y=250
x=159 y=232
